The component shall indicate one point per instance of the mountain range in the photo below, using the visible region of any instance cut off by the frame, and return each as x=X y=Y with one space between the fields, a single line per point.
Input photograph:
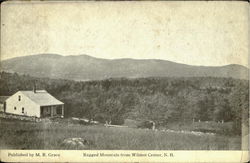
x=84 y=67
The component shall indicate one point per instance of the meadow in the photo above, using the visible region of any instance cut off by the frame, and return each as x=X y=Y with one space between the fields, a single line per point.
x=30 y=135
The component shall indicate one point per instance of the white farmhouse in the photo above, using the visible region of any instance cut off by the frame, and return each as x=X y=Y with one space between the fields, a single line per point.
x=36 y=103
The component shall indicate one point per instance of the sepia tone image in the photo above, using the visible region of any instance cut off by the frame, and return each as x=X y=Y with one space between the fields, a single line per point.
x=123 y=75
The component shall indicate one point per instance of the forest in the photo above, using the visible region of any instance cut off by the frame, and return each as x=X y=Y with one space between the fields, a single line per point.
x=160 y=99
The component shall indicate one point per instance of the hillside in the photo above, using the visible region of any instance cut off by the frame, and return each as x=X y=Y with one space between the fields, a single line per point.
x=163 y=100
x=84 y=67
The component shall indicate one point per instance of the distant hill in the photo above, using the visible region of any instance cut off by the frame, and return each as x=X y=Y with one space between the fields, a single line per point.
x=84 y=67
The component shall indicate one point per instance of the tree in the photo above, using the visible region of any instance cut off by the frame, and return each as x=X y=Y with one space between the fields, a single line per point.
x=239 y=101
x=113 y=109
x=222 y=111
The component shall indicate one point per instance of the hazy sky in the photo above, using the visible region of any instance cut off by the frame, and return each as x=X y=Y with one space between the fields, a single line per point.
x=197 y=33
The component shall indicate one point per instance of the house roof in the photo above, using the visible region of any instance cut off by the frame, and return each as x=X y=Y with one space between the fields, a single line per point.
x=3 y=98
x=42 y=98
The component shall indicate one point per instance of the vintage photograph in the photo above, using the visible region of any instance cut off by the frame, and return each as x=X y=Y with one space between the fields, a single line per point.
x=107 y=75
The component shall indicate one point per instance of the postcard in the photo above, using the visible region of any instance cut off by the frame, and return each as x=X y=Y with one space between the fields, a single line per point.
x=124 y=81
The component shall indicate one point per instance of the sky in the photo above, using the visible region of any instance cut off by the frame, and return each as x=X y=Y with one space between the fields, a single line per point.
x=195 y=33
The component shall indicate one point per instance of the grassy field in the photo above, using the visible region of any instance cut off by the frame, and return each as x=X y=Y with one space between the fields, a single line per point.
x=29 y=135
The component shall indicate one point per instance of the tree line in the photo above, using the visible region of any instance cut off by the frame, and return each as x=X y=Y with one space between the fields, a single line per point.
x=161 y=100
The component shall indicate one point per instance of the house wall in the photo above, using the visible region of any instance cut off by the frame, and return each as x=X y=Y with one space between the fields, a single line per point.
x=30 y=108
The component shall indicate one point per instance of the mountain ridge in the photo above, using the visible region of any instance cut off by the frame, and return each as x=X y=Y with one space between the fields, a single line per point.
x=85 y=67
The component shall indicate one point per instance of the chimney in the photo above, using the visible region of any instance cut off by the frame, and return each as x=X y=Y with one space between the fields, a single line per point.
x=34 y=87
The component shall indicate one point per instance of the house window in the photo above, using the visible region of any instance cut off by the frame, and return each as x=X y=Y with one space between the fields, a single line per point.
x=14 y=108
x=19 y=98
x=22 y=110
